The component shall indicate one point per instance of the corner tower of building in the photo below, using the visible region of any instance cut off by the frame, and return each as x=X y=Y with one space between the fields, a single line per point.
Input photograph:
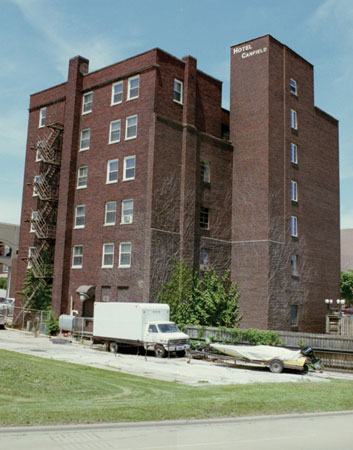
x=285 y=231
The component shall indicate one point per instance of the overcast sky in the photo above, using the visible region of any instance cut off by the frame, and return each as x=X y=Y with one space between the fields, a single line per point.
x=38 y=37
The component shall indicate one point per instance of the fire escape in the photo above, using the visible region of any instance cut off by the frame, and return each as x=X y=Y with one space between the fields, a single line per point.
x=43 y=220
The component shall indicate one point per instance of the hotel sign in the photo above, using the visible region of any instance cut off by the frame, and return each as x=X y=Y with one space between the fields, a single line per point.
x=246 y=51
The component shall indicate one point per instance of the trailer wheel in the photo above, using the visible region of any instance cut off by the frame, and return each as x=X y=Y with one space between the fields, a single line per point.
x=276 y=366
x=113 y=347
x=159 y=351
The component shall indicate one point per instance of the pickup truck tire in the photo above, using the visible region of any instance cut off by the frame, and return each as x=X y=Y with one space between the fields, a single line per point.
x=113 y=347
x=180 y=353
x=276 y=366
x=159 y=351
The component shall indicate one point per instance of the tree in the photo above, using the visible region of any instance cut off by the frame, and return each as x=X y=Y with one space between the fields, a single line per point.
x=347 y=286
x=207 y=300
x=36 y=291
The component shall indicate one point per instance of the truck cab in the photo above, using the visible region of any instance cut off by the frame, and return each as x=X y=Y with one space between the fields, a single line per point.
x=163 y=337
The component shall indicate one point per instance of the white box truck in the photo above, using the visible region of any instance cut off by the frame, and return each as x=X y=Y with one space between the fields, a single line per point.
x=138 y=324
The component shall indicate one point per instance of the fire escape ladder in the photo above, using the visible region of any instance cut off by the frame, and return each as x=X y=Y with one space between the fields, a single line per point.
x=45 y=186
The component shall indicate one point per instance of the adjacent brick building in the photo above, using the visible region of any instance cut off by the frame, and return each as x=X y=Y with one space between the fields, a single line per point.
x=136 y=163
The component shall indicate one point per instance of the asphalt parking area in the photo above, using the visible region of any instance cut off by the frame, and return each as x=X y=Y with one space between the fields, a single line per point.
x=181 y=370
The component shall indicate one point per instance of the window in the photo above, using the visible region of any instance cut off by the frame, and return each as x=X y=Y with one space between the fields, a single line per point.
x=112 y=171
x=31 y=253
x=293 y=119
x=85 y=139
x=5 y=268
x=114 y=132
x=294 y=226
x=203 y=259
x=125 y=254
x=87 y=103
x=80 y=216
x=110 y=213
x=82 y=176
x=36 y=181
x=127 y=211
x=205 y=171
x=117 y=93
x=106 y=293
x=42 y=117
x=294 y=153
x=40 y=145
x=294 y=315
x=108 y=255
x=204 y=217
x=34 y=218
x=178 y=92
x=77 y=257
x=133 y=88
x=152 y=329
x=293 y=86
x=129 y=168
x=294 y=191
x=294 y=263
x=131 y=127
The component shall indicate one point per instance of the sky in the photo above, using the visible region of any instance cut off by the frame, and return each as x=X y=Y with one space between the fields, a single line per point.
x=38 y=37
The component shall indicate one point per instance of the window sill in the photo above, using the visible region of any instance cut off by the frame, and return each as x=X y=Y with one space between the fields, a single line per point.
x=206 y=184
x=130 y=138
x=294 y=165
x=113 y=142
x=295 y=131
x=295 y=202
x=86 y=112
x=132 y=98
x=79 y=228
x=295 y=277
x=108 y=224
x=124 y=267
x=76 y=267
x=295 y=238
x=81 y=187
x=84 y=149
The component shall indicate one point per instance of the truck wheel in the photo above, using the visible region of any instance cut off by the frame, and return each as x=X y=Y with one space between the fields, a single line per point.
x=113 y=347
x=276 y=366
x=180 y=353
x=159 y=351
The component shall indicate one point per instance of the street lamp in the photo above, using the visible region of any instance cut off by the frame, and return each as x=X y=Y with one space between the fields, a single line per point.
x=340 y=303
x=328 y=302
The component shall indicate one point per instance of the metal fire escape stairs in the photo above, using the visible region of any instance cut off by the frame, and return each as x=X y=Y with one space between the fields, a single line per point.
x=43 y=221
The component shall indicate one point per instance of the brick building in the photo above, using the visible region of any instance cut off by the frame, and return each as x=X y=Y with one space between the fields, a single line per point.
x=136 y=163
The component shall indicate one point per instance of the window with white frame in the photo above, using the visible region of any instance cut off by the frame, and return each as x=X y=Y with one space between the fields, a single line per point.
x=294 y=265
x=293 y=153
x=114 y=131
x=178 y=92
x=42 y=117
x=82 y=176
x=293 y=119
x=85 y=139
x=112 y=171
x=40 y=144
x=34 y=218
x=131 y=127
x=77 y=256
x=204 y=218
x=117 y=93
x=108 y=255
x=205 y=171
x=125 y=254
x=31 y=253
x=5 y=268
x=129 y=168
x=110 y=213
x=294 y=226
x=133 y=87
x=87 y=103
x=36 y=181
x=80 y=216
x=204 y=259
x=294 y=191
x=293 y=86
x=127 y=211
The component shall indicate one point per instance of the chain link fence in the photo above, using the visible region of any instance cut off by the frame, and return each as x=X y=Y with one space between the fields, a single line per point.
x=25 y=319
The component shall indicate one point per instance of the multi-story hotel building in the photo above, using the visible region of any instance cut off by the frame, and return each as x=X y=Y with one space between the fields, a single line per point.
x=137 y=163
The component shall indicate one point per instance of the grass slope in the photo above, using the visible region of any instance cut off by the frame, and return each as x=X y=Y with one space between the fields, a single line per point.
x=42 y=391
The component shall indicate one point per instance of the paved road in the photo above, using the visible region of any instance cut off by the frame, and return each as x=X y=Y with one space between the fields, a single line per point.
x=302 y=432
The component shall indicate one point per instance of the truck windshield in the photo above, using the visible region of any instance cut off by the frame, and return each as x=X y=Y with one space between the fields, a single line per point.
x=168 y=328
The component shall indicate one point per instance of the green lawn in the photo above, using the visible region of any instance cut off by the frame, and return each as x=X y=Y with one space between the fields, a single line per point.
x=42 y=391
